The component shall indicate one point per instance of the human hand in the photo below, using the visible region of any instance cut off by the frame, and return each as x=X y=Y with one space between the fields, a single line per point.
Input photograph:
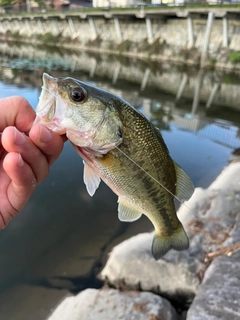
x=24 y=161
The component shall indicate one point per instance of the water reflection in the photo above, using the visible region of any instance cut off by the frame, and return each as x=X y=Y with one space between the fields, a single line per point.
x=61 y=235
x=172 y=98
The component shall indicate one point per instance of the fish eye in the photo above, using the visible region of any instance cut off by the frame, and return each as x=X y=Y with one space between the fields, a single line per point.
x=78 y=94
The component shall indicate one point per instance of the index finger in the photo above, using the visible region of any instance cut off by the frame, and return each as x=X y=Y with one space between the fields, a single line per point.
x=16 y=111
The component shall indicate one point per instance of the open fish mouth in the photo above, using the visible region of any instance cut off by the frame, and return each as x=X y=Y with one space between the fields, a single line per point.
x=54 y=112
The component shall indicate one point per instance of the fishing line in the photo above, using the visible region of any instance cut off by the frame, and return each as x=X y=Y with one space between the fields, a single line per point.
x=49 y=91
x=148 y=174
x=182 y=202
x=53 y=96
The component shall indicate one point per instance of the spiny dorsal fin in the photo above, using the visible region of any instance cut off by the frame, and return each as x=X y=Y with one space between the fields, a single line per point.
x=184 y=186
x=91 y=179
x=126 y=212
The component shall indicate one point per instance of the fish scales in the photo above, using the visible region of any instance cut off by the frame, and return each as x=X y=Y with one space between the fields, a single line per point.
x=142 y=144
x=121 y=147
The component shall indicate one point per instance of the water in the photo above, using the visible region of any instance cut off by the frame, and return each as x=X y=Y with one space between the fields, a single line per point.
x=61 y=237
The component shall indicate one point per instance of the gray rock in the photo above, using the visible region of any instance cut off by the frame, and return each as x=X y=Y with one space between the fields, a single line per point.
x=219 y=294
x=210 y=218
x=175 y=276
x=110 y=304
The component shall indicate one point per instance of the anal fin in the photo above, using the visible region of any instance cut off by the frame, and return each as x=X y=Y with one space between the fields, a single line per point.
x=126 y=212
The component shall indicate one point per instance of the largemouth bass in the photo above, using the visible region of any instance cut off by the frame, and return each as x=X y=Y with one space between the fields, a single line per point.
x=121 y=147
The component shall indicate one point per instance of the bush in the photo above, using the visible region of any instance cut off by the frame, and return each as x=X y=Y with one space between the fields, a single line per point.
x=234 y=57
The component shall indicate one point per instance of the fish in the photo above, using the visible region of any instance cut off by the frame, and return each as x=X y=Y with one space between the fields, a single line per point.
x=121 y=147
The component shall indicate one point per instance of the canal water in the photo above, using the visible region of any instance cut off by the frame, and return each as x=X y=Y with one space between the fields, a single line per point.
x=60 y=240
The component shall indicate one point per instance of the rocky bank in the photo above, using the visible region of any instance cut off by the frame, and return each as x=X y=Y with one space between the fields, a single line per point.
x=200 y=283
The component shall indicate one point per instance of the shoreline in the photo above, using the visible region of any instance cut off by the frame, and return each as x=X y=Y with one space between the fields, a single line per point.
x=188 y=58
x=180 y=277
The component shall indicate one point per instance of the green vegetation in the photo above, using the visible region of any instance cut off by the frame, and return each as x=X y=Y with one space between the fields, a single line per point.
x=234 y=57
x=124 y=46
x=7 y=2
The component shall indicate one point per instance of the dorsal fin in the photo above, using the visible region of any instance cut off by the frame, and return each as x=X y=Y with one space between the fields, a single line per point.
x=184 y=185
x=160 y=138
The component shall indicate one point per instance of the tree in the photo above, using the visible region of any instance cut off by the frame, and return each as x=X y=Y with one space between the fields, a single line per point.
x=7 y=2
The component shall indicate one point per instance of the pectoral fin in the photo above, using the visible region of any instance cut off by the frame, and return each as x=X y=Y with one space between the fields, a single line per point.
x=91 y=179
x=126 y=212
x=184 y=186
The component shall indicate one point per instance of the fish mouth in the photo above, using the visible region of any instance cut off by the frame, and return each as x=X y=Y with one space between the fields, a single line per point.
x=49 y=81
x=46 y=108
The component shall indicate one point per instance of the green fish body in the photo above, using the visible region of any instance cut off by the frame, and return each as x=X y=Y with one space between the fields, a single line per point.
x=122 y=148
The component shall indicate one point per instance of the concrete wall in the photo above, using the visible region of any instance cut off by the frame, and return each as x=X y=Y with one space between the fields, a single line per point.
x=153 y=36
x=207 y=87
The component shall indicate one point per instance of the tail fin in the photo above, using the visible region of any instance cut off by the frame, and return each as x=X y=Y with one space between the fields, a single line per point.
x=162 y=244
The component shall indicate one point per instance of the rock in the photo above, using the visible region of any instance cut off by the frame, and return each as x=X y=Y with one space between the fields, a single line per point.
x=174 y=276
x=210 y=219
x=219 y=294
x=110 y=304
x=214 y=213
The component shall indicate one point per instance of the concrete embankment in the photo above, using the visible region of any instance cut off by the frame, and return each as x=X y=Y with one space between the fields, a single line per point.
x=205 y=37
x=202 y=282
x=207 y=86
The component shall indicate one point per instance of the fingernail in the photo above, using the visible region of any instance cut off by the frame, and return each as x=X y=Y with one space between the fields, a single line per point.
x=20 y=160
x=19 y=138
x=45 y=134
